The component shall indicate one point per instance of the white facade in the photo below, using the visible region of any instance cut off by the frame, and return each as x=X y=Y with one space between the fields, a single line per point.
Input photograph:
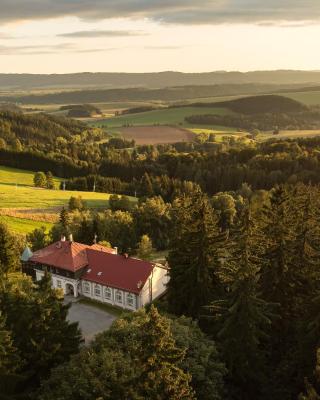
x=109 y=295
x=154 y=286
x=68 y=285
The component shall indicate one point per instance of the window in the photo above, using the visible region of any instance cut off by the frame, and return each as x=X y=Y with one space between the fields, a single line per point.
x=118 y=296
x=97 y=290
x=107 y=293
x=130 y=300
x=58 y=283
x=86 y=287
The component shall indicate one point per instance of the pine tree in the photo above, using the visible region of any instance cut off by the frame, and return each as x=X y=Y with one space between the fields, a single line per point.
x=65 y=221
x=243 y=317
x=194 y=255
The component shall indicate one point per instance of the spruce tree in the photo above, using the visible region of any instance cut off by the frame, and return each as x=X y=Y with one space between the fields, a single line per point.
x=42 y=334
x=9 y=254
x=10 y=361
x=194 y=255
x=243 y=318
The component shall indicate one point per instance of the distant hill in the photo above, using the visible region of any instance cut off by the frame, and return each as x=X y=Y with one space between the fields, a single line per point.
x=154 y=80
x=175 y=93
x=263 y=104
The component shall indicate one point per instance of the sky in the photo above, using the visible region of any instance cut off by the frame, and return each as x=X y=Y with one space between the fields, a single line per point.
x=64 y=36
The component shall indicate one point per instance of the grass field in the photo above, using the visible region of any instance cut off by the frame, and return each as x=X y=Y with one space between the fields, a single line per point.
x=19 y=199
x=289 y=134
x=22 y=225
x=308 y=98
x=170 y=116
x=13 y=176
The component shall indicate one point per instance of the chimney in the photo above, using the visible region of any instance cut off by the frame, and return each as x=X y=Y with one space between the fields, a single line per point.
x=71 y=238
x=63 y=238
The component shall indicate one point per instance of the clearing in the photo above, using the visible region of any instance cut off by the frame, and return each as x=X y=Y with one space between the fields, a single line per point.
x=156 y=134
x=24 y=207
x=167 y=116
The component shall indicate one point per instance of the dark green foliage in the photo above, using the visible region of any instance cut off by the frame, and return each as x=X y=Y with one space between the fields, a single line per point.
x=40 y=180
x=49 y=180
x=243 y=318
x=136 y=359
x=153 y=218
x=76 y=203
x=38 y=239
x=41 y=333
x=121 y=203
x=202 y=360
x=312 y=392
x=193 y=257
x=9 y=252
x=263 y=104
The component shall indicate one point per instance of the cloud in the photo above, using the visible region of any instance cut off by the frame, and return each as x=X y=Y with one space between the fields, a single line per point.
x=168 y=11
x=100 y=33
x=45 y=49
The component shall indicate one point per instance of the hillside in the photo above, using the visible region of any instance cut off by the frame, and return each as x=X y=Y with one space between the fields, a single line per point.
x=25 y=208
x=263 y=104
x=168 y=93
x=158 y=79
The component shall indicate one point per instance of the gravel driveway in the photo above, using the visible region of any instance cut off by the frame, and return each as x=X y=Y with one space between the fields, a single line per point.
x=91 y=320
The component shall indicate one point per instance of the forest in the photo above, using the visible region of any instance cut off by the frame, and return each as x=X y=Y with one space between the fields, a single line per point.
x=239 y=224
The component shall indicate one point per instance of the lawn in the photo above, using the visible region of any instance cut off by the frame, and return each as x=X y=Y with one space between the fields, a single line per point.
x=13 y=176
x=168 y=116
x=29 y=197
x=22 y=225
x=308 y=98
x=24 y=207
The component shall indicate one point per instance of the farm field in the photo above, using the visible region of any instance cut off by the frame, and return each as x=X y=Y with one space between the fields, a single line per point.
x=156 y=134
x=24 y=207
x=13 y=176
x=170 y=116
x=289 y=134
x=308 y=98
x=24 y=226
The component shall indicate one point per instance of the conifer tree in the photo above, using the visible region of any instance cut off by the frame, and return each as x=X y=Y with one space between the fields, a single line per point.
x=312 y=392
x=9 y=255
x=161 y=377
x=42 y=334
x=65 y=221
x=9 y=361
x=243 y=317
x=193 y=257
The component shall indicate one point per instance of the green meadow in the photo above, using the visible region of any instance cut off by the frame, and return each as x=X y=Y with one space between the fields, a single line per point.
x=166 y=116
x=20 y=200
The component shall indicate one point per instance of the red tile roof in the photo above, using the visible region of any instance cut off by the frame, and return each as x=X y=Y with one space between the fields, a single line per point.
x=70 y=256
x=117 y=271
